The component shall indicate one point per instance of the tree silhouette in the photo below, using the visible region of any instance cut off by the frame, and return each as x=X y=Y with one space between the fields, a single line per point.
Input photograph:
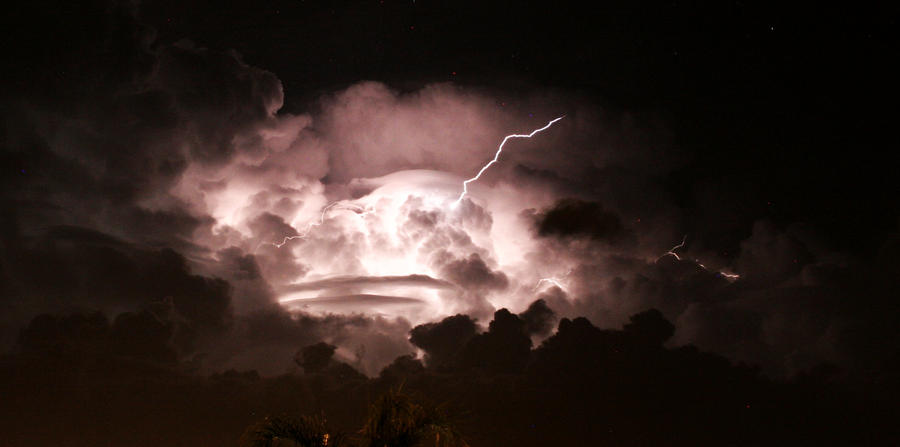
x=650 y=328
x=305 y=431
x=315 y=358
x=395 y=420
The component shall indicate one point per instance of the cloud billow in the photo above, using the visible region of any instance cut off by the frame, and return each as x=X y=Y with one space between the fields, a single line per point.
x=159 y=172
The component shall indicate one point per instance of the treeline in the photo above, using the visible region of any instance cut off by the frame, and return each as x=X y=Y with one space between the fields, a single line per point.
x=75 y=381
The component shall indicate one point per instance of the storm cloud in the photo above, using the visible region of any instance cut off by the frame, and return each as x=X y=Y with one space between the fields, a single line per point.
x=172 y=214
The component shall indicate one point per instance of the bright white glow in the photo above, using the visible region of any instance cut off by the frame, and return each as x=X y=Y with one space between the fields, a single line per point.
x=497 y=156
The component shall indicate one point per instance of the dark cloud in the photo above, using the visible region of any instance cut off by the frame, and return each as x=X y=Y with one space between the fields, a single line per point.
x=243 y=266
x=269 y=227
x=267 y=339
x=504 y=348
x=113 y=275
x=401 y=369
x=443 y=341
x=52 y=334
x=314 y=358
x=219 y=97
x=649 y=327
x=162 y=306
x=770 y=256
x=143 y=336
x=474 y=273
x=538 y=318
x=577 y=218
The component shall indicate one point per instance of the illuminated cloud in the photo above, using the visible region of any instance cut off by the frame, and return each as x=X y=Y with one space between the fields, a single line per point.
x=184 y=163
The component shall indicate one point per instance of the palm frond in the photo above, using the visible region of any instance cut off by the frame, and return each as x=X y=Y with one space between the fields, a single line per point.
x=305 y=431
x=395 y=420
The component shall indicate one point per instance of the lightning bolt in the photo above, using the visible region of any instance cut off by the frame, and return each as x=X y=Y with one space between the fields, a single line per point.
x=497 y=156
x=671 y=252
x=553 y=281
x=360 y=211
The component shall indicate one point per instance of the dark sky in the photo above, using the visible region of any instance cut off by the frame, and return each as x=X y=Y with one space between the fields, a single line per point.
x=788 y=92
x=790 y=103
x=153 y=153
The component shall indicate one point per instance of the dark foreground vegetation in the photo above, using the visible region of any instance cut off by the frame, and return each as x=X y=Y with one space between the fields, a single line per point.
x=394 y=419
x=72 y=384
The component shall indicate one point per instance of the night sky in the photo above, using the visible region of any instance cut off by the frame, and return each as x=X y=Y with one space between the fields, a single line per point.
x=217 y=213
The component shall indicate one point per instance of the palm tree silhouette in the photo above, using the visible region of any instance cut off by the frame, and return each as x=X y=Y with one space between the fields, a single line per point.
x=305 y=431
x=395 y=420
